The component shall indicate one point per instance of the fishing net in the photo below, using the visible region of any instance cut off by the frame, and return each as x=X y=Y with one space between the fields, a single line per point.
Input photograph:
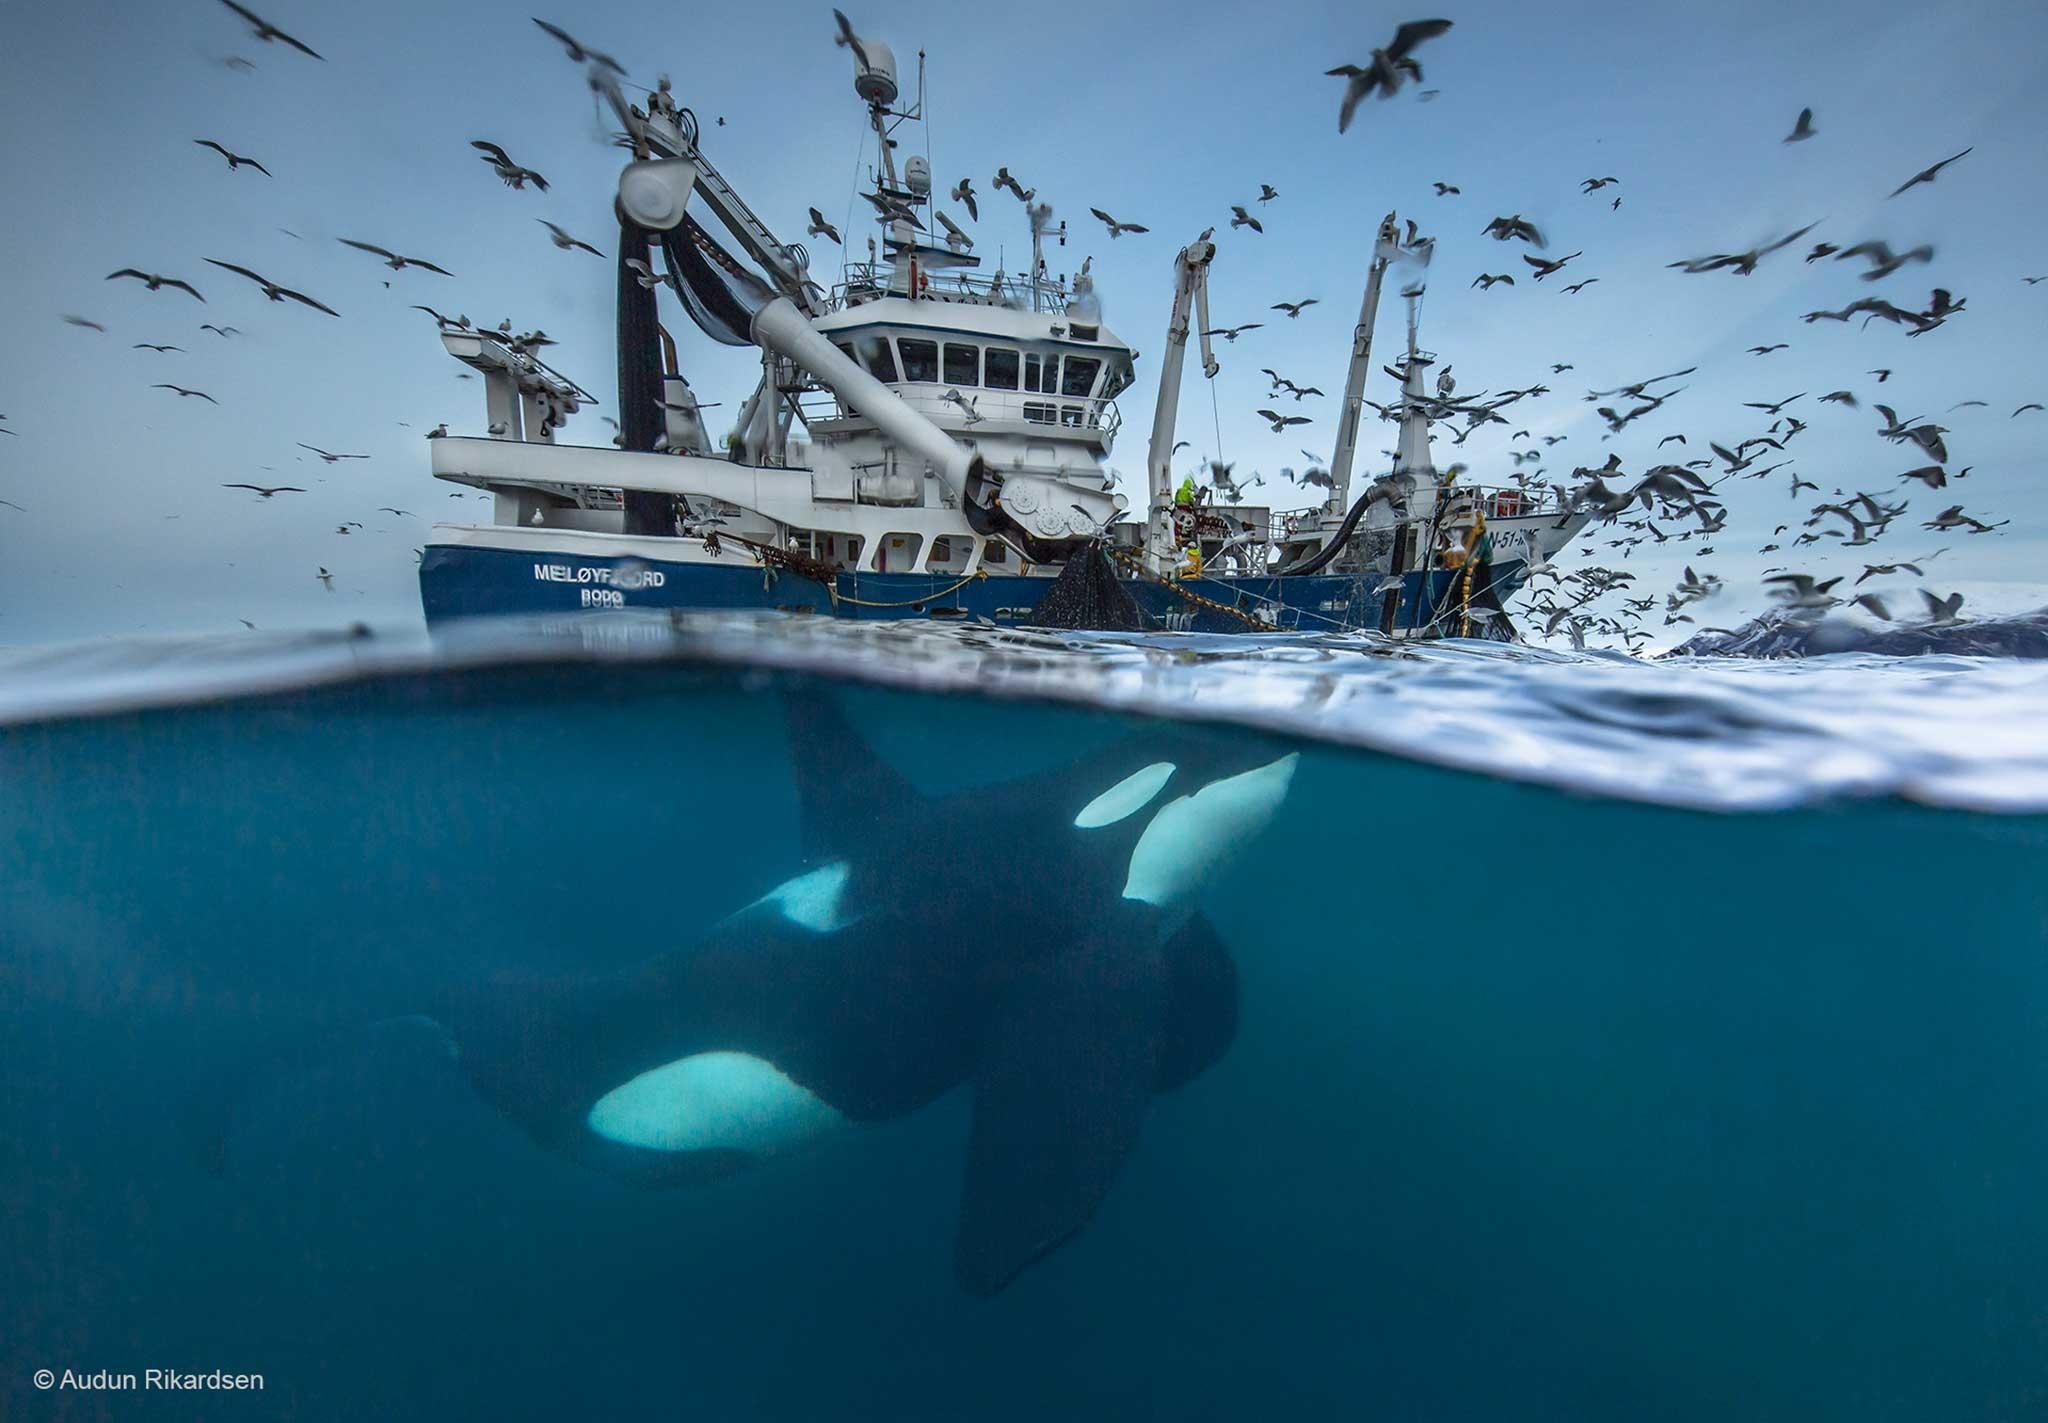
x=1089 y=597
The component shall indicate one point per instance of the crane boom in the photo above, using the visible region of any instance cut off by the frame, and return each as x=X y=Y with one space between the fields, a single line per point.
x=1190 y=292
x=1385 y=250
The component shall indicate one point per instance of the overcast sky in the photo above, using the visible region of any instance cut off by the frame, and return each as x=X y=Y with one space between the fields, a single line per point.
x=1162 y=114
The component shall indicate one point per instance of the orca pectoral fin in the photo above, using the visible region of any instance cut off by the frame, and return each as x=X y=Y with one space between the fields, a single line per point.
x=1069 y=1064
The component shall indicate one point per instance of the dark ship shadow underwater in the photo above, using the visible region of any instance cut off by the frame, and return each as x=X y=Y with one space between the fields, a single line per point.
x=1524 y=1104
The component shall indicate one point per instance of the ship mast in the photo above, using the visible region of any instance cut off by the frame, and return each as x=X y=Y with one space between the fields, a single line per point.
x=1385 y=250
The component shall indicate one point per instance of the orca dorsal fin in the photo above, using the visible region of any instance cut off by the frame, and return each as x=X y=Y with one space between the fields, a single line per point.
x=843 y=787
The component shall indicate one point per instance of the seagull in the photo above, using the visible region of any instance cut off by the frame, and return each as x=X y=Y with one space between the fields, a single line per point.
x=155 y=282
x=1882 y=374
x=563 y=240
x=964 y=194
x=848 y=39
x=1931 y=475
x=272 y=289
x=401 y=513
x=1941 y=612
x=151 y=346
x=1927 y=175
x=440 y=432
x=1820 y=250
x=582 y=55
x=221 y=331
x=182 y=391
x=1885 y=570
x=1545 y=267
x=1883 y=262
x=1802 y=127
x=501 y=163
x=267 y=491
x=967 y=404
x=391 y=259
x=1281 y=422
x=1004 y=180
x=1231 y=333
x=1486 y=281
x=1387 y=69
x=1772 y=409
x=644 y=274
x=1118 y=229
x=330 y=458
x=326 y=579
x=1241 y=218
x=2031 y=405
x=235 y=160
x=1576 y=287
x=1293 y=308
x=87 y=324
x=1593 y=185
x=1503 y=228
x=1742 y=263
x=1766 y=350
x=821 y=228
x=1446 y=189
x=264 y=30
x=1840 y=397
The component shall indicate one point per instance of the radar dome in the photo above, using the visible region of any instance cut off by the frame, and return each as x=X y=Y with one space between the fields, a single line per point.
x=917 y=175
x=874 y=72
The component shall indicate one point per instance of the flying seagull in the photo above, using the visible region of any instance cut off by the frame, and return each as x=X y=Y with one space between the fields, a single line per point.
x=1231 y=333
x=1802 y=127
x=330 y=458
x=1240 y=218
x=1387 y=70
x=155 y=282
x=391 y=259
x=87 y=324
x=578 y=52
x=821 y=228
x=1927 y=175
x=1594 y=185
x=152 y=346
x=235 y=160
x=563 y=240
x=264 y=30
x=1485 y=281
x=1544 y=267
x=964 y=194
x=1503 y=228
x=847 y=39
x=1446 y=188
x=1293 y=308
x=183 y=392
x=272 y=289
x=501 y=163
x=1117 y=229
x=267 y=492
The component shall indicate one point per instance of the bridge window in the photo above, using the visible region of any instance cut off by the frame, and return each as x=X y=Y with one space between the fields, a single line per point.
x=920 y=360
x=879 y=358
x=1119 y=380
x=1039 y=413
x=1080 y=377
x=1042 y=373
x=1001 y=369
x=963 y=364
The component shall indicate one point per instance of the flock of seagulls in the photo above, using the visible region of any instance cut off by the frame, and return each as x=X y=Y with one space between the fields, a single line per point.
x=1685 y=502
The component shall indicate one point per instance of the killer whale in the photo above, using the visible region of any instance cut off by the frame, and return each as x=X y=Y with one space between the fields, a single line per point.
x=1034 y=940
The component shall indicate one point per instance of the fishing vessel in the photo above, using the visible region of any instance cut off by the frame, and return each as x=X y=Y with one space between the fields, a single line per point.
x=928 y=440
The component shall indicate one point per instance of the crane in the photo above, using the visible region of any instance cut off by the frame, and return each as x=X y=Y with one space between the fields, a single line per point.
x=1386 y=249
x=1190 y=291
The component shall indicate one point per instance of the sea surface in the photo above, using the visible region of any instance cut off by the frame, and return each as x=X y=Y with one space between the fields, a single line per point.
x=1615 y=1040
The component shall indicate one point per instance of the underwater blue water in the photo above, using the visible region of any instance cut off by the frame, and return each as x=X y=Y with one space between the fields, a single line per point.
x=1616 y=1042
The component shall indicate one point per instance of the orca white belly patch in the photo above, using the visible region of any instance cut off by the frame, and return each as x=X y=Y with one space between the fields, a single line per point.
x=713 y=1101
x=1192 y=835
x=1128 y=796
x=813 y=900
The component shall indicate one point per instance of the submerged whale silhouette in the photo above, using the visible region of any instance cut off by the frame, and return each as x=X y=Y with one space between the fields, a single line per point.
x=1034 y=939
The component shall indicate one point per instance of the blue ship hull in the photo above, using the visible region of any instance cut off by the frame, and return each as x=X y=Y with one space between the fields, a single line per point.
x=460 y=581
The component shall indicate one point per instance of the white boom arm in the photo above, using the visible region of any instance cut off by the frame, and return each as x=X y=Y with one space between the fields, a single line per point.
x=1190 y=290
x=1385 y=250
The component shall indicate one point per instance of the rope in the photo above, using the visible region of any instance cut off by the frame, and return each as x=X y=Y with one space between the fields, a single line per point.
x=1174 y=587
x=839 y=597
